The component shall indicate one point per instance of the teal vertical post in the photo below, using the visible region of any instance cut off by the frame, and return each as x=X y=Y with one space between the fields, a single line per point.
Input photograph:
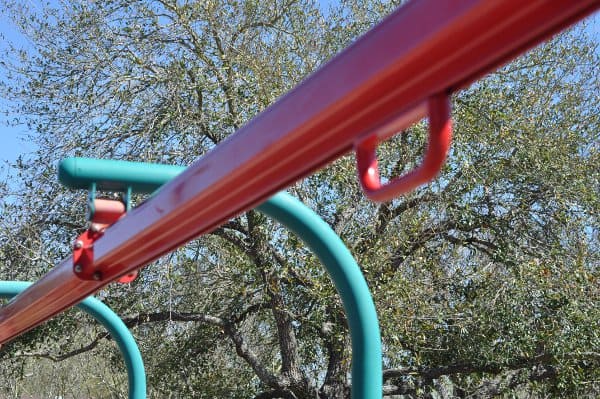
x=118 y=330
x=367 y=374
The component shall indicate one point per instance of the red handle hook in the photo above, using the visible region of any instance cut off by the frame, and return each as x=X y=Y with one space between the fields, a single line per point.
x=440 y=136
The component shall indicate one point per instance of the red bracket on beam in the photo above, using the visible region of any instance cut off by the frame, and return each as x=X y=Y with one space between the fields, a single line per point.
x=106 y=212
x=83 y=256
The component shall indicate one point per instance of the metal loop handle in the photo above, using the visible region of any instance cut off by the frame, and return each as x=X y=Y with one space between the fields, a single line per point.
x=440 y=136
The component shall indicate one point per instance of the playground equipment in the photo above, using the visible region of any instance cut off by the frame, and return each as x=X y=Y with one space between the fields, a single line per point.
x=299 y=219
x=136 y=375
x=403 y=69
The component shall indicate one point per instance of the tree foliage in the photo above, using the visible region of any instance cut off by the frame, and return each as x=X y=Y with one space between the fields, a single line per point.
x=485 y=281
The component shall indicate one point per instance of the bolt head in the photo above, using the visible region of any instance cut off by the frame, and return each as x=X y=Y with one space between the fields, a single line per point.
x=96 y=227
x=77 y=268
x=78 y=244
x=97 y=276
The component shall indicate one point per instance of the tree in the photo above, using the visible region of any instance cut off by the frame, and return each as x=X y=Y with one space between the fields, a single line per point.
x=485 y=281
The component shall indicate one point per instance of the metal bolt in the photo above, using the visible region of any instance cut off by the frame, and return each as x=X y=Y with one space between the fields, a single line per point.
x=97 y=276
x=77 y=268
x=78 y=244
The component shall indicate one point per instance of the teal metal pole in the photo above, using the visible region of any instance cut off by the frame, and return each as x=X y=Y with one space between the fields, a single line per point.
x=347 y=277
x=367 y=372
x=136 y=374
x=111 y=175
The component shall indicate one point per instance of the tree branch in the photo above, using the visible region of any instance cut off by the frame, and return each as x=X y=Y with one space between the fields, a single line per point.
x=144 y=318
x=249 y=310
x=288 y=345
x=63 y=356
x=336 y=382
x=228 y=328
x=262 y=24
x=276 y=393
x=432 y=373
x=385 y=215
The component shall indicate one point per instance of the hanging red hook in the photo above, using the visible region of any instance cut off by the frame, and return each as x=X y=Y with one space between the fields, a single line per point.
x=440 y=136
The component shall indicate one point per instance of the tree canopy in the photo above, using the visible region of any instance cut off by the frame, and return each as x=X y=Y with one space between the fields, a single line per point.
x=485 y=281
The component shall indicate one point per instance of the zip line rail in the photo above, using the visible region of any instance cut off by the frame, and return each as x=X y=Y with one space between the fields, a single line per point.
x=421 y=53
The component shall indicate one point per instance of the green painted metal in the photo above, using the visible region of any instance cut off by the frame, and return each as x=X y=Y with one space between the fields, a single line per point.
x=318 y=235
x=110 y=175
x=115 y=326
x=367 y=371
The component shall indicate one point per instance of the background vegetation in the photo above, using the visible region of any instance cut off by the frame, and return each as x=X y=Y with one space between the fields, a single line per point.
x=485 y=281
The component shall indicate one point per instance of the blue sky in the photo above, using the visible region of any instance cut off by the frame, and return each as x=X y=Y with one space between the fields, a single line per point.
x=13 y=140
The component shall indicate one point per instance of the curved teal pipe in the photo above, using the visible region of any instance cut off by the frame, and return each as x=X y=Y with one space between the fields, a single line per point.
x=136 y=374
x=341 y=266
x=367 y=365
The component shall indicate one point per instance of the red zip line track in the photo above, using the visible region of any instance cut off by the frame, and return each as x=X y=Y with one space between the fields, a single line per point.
x=402 y=69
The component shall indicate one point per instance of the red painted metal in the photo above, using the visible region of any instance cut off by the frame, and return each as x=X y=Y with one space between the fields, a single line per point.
x=425 y=47
x=106 y=212
x=440 y=136
x=128 y=278
x=83 y=255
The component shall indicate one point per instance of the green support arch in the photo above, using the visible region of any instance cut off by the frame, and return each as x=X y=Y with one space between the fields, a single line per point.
x=342 y=268
x=133 y=359
x=347 y=277
x=367 y=374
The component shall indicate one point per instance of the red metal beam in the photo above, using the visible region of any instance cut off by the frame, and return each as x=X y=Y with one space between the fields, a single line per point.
x=424 y=48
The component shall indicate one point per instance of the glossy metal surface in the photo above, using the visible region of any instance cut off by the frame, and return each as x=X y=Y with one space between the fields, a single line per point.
x=111 y=175
x=440 y=136
x=367 y=374
x=425 y=47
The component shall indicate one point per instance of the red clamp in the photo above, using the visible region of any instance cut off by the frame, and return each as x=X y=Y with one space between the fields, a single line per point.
x=83 y=255
x=440 y=136
x=105 y=213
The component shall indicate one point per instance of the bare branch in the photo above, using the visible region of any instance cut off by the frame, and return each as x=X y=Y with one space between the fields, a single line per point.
x=144 y=318
x=432 y=373
x=277 y=393
x=63 y=356
x=251 y=358
x=229 y=328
